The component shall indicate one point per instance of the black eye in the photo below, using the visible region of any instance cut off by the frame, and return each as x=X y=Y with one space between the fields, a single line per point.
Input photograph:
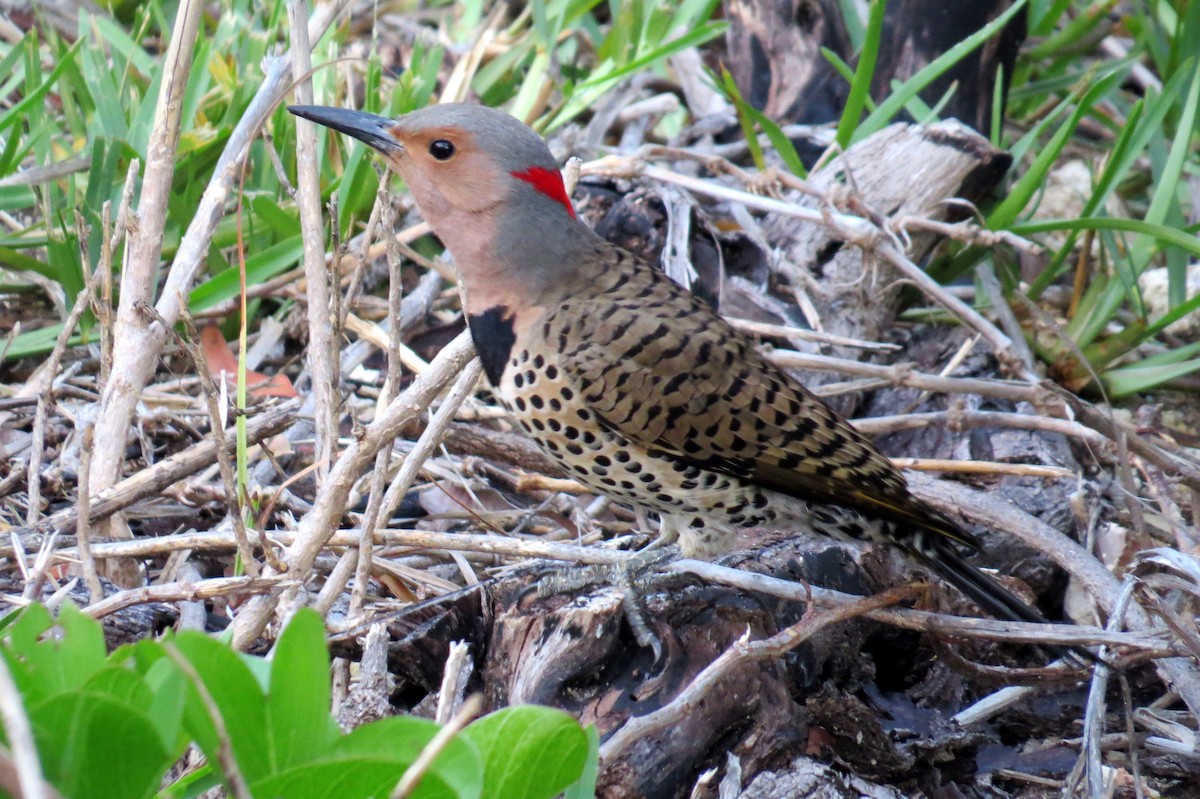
x=441 y=149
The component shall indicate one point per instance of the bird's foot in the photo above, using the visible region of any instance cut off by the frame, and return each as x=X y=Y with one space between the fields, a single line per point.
x=631 y=576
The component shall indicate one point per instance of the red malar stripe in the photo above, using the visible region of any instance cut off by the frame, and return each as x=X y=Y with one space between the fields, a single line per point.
x=549 y=182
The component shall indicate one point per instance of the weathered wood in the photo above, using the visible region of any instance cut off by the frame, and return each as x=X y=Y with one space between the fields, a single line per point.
x=904 y=170
x=577 y=652
x=775 y=57
x=916 y=32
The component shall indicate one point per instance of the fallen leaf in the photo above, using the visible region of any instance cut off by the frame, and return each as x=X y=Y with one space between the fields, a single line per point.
x=223 y=365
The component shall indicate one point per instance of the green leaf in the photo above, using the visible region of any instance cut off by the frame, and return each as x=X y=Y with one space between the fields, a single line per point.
x=34 y=98
x=585 y=787
x=731 y=91
x=121 y=685
x=1132 y=140
x=13 y=198
x=1168 y=235
x=165 y=710
x=20 y=639
x=531 y=88
x=400 y=740
x=1177 y=312
x=81 y=649
x=371 y=760
x=609 y=74
x=192 y=785
x=1166 y=189
x=350 y=778
x=110 y=106
x=239 y=702
x=282 y=222
x=114 y=36
x=853 y=22
x=93 y=745
x=357 y=186
x=41 y=340
x=529 y=752
x=299 y=726
x=748 y=116
x=46 y=662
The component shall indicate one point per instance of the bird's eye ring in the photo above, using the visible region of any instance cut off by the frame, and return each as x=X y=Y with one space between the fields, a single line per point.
x=441 y=149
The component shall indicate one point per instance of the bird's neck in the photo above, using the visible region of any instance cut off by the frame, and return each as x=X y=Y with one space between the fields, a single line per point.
x=515 y=264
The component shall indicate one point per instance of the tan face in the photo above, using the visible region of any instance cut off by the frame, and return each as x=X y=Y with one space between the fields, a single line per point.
x=446 y=171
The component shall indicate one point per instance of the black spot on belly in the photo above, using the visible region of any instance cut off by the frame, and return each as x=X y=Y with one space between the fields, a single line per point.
x=492 y=332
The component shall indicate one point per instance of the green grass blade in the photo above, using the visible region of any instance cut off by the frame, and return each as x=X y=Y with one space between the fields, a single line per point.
x=1005 y=214
x=1130 y=380
x=892 y=105
x=864 y=73
x=731 y=91
x=1167 y=186
x=748 y=117
x=17 y=260
x=1132 y=140
x=589 y=91
x=853 y=23
x=34 y=98
x=1163 y=233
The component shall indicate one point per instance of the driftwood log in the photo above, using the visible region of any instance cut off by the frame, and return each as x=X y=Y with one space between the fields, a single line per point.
x=774 y=55
x=902 y=171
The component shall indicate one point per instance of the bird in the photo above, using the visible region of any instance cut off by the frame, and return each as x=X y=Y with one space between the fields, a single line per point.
x=637 y=388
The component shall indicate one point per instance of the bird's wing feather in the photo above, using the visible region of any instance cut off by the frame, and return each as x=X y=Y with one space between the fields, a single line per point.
x=667 y=373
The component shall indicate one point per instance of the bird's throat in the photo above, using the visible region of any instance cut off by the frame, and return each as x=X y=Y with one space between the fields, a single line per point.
x=494 y=333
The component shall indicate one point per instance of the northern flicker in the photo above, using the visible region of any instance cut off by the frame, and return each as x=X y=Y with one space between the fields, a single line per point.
x=641 y=391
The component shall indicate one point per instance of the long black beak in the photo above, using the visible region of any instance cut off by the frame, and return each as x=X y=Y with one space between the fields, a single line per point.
x=368 y=128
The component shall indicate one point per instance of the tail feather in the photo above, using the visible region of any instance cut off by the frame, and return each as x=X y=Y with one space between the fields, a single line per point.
x=938 y=554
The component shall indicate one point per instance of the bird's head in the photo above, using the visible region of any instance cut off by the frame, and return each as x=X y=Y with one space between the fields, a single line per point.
x=491 y=190
x=458 y=159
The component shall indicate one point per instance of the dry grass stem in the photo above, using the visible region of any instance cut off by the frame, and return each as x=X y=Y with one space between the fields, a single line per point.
x=984 y=467
x=216 y=416
x=168 y=471
x=83 y=524
x=967 y=420
x=44 y=404
x=784 y=331
x=376 y=498
x=454 y=681
x=905 y=375
x=322 y=520
x=137 y=344
x=419 y=540
x=1098 y=581
x=135 y=348
x=1161 y=452
x=185 y=592
x=925 y=621
x=431 y=438
x=322 y=340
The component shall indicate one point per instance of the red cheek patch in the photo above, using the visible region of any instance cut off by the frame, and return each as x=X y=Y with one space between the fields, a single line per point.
x=549 y=182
